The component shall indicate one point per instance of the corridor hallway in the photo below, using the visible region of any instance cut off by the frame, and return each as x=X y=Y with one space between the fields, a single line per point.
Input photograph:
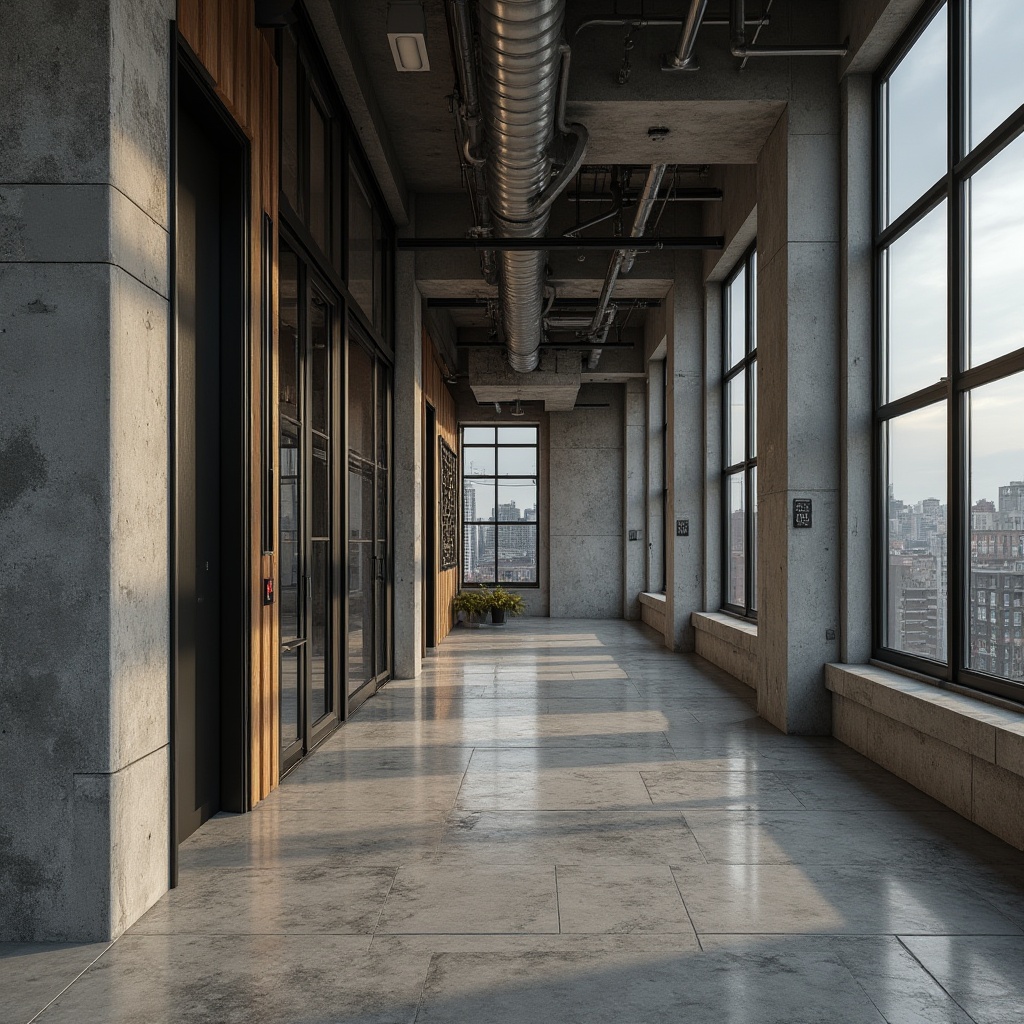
x=562 y=821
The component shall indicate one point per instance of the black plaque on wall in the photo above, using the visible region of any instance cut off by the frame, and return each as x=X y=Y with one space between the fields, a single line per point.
x=449 y=507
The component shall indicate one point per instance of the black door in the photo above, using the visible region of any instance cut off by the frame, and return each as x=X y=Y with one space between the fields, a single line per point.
x=210 y=448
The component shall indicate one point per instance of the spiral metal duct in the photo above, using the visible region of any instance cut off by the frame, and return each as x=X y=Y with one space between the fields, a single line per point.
x=521 y=60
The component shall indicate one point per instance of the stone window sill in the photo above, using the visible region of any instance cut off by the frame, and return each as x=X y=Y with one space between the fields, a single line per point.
x=738 y=632
x=653 y=601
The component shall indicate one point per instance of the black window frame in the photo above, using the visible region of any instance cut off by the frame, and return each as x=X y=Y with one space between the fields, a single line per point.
x=962 y=162
x=747 y=365
x=498 y=478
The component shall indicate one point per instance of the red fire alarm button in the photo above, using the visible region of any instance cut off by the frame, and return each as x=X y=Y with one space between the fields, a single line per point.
x=268 y=590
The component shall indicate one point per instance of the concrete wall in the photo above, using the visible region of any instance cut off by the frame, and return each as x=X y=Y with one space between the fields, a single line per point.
x=84 y=596
x=585 y=489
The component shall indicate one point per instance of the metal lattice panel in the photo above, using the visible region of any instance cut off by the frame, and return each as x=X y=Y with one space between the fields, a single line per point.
x=449 y=507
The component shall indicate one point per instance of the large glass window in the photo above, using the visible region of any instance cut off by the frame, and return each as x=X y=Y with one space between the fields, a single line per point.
x=739 y=438
x=499 y=505
x=949 y=238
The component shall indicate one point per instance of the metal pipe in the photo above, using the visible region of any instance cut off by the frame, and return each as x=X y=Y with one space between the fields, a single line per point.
x=739 y=47
x=543 y=243
x=675 y=195
x=639 y=23
x=622 y=261
x=522 y=63
x=683 y=59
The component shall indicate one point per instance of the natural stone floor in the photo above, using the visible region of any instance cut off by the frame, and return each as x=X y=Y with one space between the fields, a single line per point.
x=563 y=822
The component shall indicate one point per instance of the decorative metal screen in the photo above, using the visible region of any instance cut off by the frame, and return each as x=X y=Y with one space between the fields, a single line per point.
x=449 y=507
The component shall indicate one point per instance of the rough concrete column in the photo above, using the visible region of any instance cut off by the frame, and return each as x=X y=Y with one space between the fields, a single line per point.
x=684 y=555
x=798 y=401
x=635 y=476
x=655 y=541
x=856 y=397
x=408 y=511
x=84 y=428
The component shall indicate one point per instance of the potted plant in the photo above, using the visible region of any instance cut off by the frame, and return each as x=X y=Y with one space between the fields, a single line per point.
x=473 y=605
x=503 y=603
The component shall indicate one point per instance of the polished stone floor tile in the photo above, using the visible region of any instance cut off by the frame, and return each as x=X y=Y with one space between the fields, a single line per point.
x=699 y=988
x=186 y=979
x=984 y=974
x=871 y=789
x=602 y=899
x=832 y=899
x=685 y=787
x=553 y=789
x=483 y=898
x=325 y=897
x=609 y=836
x=33 y=973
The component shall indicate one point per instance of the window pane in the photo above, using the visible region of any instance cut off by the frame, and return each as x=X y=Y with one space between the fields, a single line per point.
x=290 y=120
x=288 y=337
x=478 y=501
x=736 y=402
x=996 y=599
x=318 y=176
x=915 y=267
x=320 y=339
x=478 y=461
x=517 y=499
x=517 y=461
x=478 y=554
x=753 y=300
x=996 y=42
x=360 y=244
x=916 y=533
x=737 y=317
x=753 y=409
x=735 y=593
x=996 y=197
x=478 y=435
x=753 y=539
x=360 y=400
x=290 y=523
x=916 y=111
x=517 y=554
x=517 y=435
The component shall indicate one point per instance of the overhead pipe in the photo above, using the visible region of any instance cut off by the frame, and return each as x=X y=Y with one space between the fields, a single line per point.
x=691 y=243
x=622 y=262
x=470 y=134
x=683 y=59
x=524 y=75
x=642 y=22
x=739 y=47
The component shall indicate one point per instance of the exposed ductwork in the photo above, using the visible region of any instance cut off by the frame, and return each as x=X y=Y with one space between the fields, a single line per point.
x=524 y=74
x=683 y=59
x=622 y=263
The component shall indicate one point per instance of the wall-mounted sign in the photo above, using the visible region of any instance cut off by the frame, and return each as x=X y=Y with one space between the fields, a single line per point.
x=682 y=527
x=802 y=513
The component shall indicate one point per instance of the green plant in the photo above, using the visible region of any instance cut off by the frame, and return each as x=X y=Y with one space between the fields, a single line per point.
x=473 y=602
x=501 y=599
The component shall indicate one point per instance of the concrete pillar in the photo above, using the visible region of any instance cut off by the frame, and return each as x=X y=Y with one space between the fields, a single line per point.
x=684 y=552
x=408 y=456
x=856 y=395
x=655 y=545
x=798 y=401
x=635 y=476
x=84 y=428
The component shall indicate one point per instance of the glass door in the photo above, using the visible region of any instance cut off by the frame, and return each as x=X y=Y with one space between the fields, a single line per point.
x=369 y=518
x=308 y=341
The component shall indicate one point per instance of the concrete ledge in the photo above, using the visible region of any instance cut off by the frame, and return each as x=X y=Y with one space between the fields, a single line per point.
x=652 y=611
x=964 y=753
x=728 y=642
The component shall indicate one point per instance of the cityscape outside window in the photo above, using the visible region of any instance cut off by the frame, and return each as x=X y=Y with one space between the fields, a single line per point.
x=499 y=505
x=739 y=437
x=949 y=262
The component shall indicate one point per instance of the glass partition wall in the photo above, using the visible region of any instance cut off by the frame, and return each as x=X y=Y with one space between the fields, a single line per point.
x=949 y=257
x=333 y=404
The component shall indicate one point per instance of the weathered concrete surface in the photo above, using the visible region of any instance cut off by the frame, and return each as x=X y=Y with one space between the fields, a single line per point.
x=586 y=484
x=634 y=490
x=84 y=614
x=728 y=642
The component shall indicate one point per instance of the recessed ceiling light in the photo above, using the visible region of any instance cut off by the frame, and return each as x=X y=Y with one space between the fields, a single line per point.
x=407 y=34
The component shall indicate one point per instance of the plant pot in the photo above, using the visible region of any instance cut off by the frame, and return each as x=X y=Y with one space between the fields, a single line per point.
x=498 y=616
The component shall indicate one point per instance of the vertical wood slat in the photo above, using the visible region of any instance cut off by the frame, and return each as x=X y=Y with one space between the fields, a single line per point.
x=436 y=392
x=239 y=59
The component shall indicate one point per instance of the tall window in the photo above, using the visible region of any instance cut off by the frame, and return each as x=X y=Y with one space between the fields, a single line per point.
x=949 y=247
x=739 y=438
x=499 y=505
